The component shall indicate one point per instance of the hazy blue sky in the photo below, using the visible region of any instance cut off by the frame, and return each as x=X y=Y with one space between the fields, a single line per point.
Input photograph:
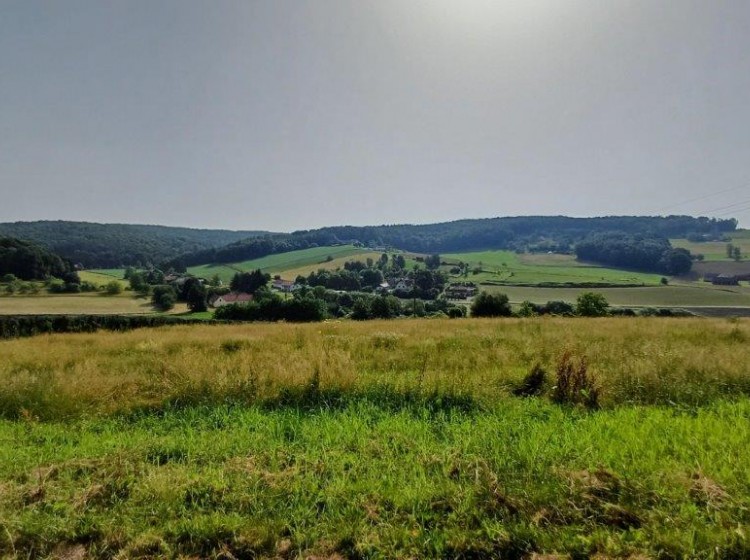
x=294 y=114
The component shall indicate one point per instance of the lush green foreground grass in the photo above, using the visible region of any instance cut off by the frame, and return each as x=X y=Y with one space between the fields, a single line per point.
x=368 y=481
x=377 y=440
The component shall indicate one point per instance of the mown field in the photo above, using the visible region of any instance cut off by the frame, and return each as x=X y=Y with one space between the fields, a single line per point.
x=507 y=267
x=78 y=304
x=400 y=439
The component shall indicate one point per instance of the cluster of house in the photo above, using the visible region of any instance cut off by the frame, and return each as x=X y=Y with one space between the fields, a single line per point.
x=461 y=290
x=277 y=283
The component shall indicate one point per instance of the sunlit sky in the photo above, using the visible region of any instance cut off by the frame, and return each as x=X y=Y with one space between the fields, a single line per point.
x=284 y=115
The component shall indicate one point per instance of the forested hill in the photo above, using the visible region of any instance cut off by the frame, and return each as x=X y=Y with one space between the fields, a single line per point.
x=29 y=261
x=534 y=233
x=113 y=245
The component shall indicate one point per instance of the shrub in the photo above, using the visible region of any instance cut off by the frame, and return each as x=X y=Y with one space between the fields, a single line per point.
x=528 y=309
x=163 y=297
x=490 y=305
x=590 y=304
x=113 y=288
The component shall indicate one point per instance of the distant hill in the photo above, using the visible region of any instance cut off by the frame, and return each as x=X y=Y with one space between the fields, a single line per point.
x=527 y=233
x=112 y=245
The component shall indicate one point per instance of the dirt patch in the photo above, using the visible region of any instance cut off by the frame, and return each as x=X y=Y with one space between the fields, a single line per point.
x=706 y=492
x=67 y=551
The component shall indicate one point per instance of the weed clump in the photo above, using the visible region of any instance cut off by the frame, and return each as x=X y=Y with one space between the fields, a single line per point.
x=575 y=385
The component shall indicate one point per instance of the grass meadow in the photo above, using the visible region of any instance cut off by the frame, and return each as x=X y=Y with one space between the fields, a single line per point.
x=399 y=439
x=507 y=267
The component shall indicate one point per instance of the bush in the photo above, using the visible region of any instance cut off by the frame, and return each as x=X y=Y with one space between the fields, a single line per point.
x=163 y=297
x=556 y=308
x=590 y=304
x=113 y=288
x=456 y=312
x=490 y=305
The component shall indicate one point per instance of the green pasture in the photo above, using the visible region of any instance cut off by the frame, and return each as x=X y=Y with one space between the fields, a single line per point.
x=117 y=273
x=507 y=267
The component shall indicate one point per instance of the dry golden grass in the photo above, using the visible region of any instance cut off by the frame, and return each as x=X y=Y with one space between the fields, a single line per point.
x=644 y=360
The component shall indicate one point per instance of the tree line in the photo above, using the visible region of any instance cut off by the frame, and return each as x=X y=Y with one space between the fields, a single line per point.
x=12 y=326
x=622 y=250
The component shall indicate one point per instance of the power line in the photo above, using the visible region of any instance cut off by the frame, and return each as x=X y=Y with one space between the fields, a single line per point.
x=704 y=197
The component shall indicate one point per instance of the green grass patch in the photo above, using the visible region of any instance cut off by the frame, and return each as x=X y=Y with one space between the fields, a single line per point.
x=117 y=273
x=507 y=267
x=520 y=478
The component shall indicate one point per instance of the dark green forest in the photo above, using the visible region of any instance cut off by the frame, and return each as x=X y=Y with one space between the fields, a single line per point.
x=28 y=261
x=115 y=245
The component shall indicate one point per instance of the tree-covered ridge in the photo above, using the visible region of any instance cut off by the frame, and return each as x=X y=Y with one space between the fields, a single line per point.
x=532 y=233
x=113 y=245
x=633 y=251
x=28 y=261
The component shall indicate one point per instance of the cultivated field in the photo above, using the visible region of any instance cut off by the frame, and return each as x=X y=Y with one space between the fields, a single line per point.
x=507 y=267
x=304 y=259
x=398 y=439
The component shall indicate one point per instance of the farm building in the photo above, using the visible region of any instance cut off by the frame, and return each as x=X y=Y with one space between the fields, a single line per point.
x=230 y=298
x=725 y=280
x=461 y=291
x=404 y=285
x=284 y=285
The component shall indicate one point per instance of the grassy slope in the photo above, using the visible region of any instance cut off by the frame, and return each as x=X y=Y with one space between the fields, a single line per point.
x=279 y=263
x=365 y=459
x=508 y=267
